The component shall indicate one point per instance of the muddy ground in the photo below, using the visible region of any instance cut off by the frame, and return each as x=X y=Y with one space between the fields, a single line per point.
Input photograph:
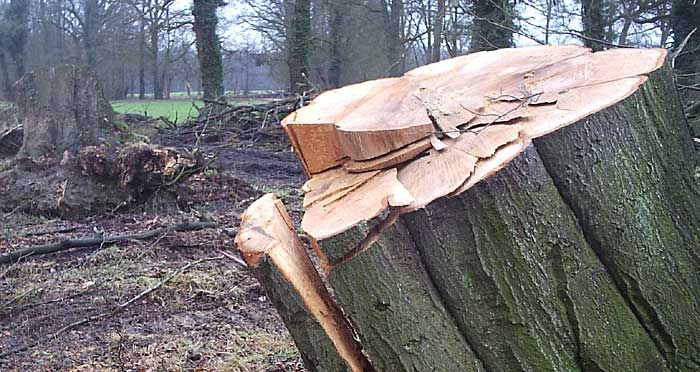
x=211 y=317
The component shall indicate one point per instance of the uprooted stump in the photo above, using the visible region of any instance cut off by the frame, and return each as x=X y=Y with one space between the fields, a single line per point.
x=451 y=240
x=73 y=159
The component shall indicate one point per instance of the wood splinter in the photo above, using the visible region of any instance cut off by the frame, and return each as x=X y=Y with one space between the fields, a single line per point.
x=271 y=247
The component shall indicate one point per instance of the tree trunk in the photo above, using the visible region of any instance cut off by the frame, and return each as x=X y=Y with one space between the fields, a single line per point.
x=6 y=82
x=155 y=69
x=208 y=50
x=493 y=25
x=279 y=260
x=142 y=58
x=593 y=23
x=685 y=16
x=438 y=25
x=526 y=289
x=628 y=174
x=17 y=17
x=396 y=309
x=477 y=252
x=336 y=37
x=299 y=45
x=393 y=35
x=90 y=29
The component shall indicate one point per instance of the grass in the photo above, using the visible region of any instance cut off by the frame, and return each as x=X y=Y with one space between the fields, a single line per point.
x=175 y=110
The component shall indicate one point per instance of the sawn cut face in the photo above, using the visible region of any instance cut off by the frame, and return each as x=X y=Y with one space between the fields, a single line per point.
x=442 y=127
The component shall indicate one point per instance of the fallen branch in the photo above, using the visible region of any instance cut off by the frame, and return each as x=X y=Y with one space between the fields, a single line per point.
x=11 y=257
x=56 y=230
x=107 y=314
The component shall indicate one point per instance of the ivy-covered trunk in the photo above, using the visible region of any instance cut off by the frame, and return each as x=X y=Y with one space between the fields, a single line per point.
x=208 y=49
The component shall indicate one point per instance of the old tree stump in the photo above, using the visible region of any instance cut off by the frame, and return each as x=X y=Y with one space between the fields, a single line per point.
x=74 y=158
x=528 y=209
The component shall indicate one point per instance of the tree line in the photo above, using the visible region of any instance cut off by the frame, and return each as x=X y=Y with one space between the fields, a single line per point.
x=149 y=48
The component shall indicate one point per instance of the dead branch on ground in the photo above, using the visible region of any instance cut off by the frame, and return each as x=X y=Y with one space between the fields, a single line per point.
x=13 y=256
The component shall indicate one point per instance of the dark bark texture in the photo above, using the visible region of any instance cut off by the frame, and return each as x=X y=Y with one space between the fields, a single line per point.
x=627 y=174
x=299 y=45
x=523 y=284
x=315 y=346
x=208 y=49
x=397 y=312
x=493 y=25
x=593 y=24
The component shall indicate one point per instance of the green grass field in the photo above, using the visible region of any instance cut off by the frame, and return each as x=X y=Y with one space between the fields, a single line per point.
x=175 y=110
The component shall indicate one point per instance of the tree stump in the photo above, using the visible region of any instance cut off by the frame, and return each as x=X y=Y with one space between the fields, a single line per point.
x=63 y=109
x=482 y=251
x=74 y=160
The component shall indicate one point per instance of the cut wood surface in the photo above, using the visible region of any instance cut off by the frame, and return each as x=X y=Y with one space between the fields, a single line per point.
x=476 y=103
x=270 y=246
x=373 y=118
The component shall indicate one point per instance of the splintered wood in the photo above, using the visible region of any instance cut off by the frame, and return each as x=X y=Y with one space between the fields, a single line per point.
x=404 y=142
x=267 y=234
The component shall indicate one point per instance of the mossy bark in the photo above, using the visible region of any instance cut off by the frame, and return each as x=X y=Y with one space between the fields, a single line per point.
x=208 y=49
x=393 y=305
x=626 y=172
x=315 y=346
x=527 y=291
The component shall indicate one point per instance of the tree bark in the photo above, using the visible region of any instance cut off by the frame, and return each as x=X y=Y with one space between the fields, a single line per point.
x=90 y=30
x=526 y=289
x=580 y=255
x=274 y=252
x=627 y=173
x=142 y=58
x=392 y=14
x=6 y=82
x=299 y=45
x=493 y=25
x=208 y=50
x=336 y=38
x=438 y=25
x=685 y=16
x=63 y=109
x=593 y=23
x=395 y=308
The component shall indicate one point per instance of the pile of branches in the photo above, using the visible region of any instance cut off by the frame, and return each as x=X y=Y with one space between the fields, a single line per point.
x=246 y=122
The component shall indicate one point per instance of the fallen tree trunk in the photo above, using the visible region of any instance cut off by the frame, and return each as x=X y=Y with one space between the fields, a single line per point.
x=444 y=234
x=14 y=256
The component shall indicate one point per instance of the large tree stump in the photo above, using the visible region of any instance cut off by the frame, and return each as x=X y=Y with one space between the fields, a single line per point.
x=74 y=160
x=63 y=108
x=451 y=237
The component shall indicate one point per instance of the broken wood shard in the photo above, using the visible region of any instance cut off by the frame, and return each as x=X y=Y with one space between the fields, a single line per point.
x=368 y=200
x=270 y=245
